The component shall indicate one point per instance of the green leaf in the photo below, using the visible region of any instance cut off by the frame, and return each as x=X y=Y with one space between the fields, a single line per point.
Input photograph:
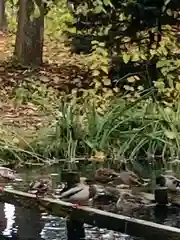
x=161 y=63
x=126 y=58
x=135 y=57
x=107 y=2
x=99 y=9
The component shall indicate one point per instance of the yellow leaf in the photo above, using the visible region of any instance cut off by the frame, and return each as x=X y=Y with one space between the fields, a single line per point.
x=140 y=88
x=107 y=82
x=15 y=140
x=116 y=89
x=95 y=73
x=131 y=79
x=104 y=69
x=99 y=156
x=136 y=77
x=126 y=87
x=178 y=86
x=74 y=91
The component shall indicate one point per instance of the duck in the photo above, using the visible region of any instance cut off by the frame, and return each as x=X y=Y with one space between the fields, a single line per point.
x=129 y=178
x=105 y=175
x=106 y=193
x=40 y=187
x=129 y=202
x=7 y=174
x=80 y=194
x=169 y=181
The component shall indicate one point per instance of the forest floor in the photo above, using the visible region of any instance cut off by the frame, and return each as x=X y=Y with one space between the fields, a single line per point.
x=28 y=97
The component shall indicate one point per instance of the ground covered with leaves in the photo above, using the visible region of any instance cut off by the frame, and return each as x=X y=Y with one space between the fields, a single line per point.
x=87 y=105
x=30 y=97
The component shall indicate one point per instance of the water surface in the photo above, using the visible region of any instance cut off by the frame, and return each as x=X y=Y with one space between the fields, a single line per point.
x=19 y=223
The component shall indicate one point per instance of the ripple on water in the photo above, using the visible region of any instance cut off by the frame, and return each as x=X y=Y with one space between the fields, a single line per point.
x=53 y=228
x=27 y=224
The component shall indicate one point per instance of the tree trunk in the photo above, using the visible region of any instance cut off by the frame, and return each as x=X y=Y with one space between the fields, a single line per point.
x=3 y=20
x=30 y=33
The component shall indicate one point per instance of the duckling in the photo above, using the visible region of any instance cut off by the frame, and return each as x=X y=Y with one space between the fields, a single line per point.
x=40 y=187
x=105 y=175
x=169 y=181
x=80 y=194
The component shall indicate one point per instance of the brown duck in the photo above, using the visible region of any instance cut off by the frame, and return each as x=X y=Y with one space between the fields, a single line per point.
x=105 y=175
x=128 y=202
x=129 y=178
x=40 y=187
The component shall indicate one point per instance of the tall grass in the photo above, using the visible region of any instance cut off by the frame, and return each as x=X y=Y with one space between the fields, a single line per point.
x=143 y=129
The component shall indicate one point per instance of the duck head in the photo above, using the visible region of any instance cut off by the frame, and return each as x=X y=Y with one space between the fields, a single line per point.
x=161 y=181
x=169 y=181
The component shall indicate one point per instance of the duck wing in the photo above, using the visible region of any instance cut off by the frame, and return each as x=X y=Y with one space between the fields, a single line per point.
x=7 y=173
x=135 y=178
x=72 y=191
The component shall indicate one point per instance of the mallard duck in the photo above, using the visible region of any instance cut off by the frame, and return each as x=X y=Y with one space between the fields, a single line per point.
x=40 y=187
x=106 y=193
x=169 y=181
x=129 y=178
x=105 y=175
x=7 y=174
x=80 y=194
x=129 y=202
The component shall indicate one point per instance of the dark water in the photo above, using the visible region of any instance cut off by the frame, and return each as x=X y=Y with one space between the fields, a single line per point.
x=19 y=223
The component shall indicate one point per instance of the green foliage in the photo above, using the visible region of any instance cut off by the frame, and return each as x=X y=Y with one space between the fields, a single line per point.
x=56 y=21
x=133 y=130
x=37 y=93
x=137 y=32
x=112 y=119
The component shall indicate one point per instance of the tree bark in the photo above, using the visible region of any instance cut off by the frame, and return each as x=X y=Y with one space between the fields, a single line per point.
x=30 y=33
x=3 y=19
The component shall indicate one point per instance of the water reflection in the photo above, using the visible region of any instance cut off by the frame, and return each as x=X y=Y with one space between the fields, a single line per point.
x=19 y=223
x=9 y=212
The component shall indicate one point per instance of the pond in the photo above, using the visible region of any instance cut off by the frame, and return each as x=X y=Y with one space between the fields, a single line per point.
x=19 y=223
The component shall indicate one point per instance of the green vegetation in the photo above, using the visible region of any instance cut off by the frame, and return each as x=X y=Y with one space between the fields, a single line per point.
x=118 y=98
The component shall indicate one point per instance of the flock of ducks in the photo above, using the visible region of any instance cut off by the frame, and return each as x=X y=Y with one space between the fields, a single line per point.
x=106 y=182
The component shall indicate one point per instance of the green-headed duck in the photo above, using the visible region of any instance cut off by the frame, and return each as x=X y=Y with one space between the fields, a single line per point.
x=80 y=194
x=169 y=181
